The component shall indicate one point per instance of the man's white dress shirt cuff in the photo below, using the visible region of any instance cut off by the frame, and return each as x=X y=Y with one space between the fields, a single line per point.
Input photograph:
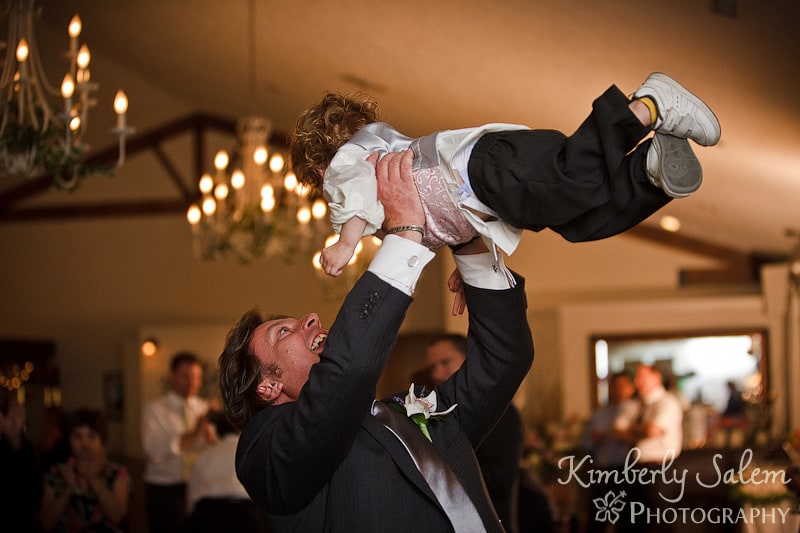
x=399 y=262
x=484 y=271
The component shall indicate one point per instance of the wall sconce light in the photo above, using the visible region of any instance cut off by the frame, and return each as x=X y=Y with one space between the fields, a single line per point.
x=670 y=223
x=149 y=347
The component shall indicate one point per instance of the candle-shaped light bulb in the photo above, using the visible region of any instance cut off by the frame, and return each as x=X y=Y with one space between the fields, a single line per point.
x=120 y=102
x=67 y=86
x=315 y=261
x=260 y=155
x=67 y=90
x=276 y=163
x=22 y=51
x=221 y=160
x=290 y=181
x=84 y=57
x=267 y=203
x=221 y=191
x=237 y=179
x=209 y=206
x=75 y=123
x=74 y=28
x=304 y=215
x=193 y=215
x=319 y=208
x=206 y=183
x=121 y=108
x=302 y=190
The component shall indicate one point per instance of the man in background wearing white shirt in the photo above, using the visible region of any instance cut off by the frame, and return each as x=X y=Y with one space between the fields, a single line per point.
x=174 y=429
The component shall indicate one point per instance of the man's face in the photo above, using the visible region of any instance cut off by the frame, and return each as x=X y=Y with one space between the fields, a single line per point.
x=621 y=389
x=85 y=443
x=647 y=379
x=187 y=379
x=293 y=346
x=444 y=359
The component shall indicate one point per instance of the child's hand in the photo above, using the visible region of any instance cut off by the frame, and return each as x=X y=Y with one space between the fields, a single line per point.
x=456 y=285
x=335 y=257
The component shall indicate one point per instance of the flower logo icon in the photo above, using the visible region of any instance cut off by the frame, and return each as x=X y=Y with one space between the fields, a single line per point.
x=609 y=507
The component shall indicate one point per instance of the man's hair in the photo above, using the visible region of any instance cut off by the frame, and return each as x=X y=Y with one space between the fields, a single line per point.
x=183 y=358
x=240 y=371
x=456 y=339
x=91 y=418
x=619 y=375
x=322 y=129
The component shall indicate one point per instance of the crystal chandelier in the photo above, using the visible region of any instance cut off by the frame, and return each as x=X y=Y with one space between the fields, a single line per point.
x=253 y=206
x=35 y=138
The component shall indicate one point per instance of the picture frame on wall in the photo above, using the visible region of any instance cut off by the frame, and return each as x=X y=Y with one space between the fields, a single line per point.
x=113 y=396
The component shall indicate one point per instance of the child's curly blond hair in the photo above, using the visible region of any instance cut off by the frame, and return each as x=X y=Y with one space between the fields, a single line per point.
x=323 y=128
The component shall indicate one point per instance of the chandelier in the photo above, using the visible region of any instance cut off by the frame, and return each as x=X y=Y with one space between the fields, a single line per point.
x=35 y=138
x=252 y=206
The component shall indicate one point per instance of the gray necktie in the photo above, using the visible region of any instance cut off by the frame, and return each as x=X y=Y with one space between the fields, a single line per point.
x=441 y=479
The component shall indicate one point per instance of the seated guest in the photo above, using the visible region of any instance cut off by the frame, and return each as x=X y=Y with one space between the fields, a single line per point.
x=217 y=500
x=87 y=492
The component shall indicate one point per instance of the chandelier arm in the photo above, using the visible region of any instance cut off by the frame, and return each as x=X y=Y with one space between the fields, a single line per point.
x=37 y=70
x=37 y=84
x=7 y=77
x=6 y=111
x=28 y=109
x=66 y=184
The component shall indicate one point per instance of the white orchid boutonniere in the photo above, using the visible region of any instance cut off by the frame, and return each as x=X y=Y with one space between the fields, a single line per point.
x=419 y=410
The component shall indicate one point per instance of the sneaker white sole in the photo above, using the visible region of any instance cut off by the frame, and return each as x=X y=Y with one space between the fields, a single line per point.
x=658 y=85
x=672 y=165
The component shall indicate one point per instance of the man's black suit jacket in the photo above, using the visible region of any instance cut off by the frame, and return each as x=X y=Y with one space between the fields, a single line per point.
x=324 y=463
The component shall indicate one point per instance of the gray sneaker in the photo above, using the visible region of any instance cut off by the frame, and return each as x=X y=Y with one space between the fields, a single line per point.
x=680 y=113
x=672 y=166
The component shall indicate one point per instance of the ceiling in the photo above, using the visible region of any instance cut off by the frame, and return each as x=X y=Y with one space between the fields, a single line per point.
x=439 y=64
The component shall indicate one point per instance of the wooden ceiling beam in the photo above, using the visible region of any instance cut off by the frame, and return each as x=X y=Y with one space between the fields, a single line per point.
x=737 y=267
x=197 y=123
x=97 y=210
